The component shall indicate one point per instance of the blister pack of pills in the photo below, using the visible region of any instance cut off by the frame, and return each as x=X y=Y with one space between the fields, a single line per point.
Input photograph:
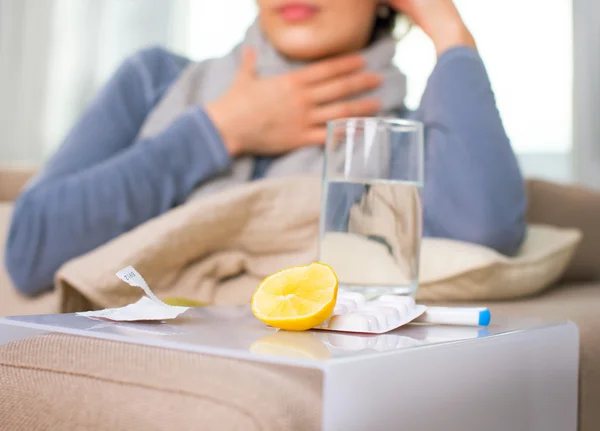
x=353 y=313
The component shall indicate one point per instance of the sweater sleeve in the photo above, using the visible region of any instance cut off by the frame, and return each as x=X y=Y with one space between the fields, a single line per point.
x=99 y=184
x=474 y=190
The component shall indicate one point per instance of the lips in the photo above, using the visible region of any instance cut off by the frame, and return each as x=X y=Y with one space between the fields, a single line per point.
x=294 y=12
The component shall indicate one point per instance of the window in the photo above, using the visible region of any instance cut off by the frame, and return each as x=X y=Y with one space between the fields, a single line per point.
x=527 y=50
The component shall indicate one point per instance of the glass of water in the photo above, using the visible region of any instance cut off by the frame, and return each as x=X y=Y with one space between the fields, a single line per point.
x=371 y=211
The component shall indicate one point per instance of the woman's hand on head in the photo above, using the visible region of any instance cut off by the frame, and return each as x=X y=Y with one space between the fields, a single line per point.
x=271 y=116
x=439 y=19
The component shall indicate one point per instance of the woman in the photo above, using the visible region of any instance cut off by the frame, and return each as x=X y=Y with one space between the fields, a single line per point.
x=163 y=129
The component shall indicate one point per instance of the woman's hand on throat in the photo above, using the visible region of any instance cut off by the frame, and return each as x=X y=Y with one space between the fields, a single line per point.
x=439 y=19
x=276 y=115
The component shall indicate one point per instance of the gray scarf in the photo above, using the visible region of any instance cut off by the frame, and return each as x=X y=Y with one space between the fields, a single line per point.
x=207 y=80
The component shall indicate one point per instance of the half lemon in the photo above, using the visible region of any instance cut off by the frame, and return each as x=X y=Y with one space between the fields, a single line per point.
x=297 y=298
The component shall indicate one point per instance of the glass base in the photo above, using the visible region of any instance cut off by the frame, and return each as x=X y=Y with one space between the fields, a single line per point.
x=373 y=291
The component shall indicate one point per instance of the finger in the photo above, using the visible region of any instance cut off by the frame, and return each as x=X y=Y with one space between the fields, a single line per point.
x=351 y=108
x=340 y=88
x=316 y=136
x=248 y=62
x=328 y=69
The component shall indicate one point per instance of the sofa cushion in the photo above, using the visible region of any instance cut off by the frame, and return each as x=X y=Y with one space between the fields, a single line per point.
x=452 y=270
x=62 y=382
x=12 y=180
x=570 y=206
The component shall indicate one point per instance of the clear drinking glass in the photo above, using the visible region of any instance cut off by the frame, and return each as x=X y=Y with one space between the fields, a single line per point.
x=371 y=211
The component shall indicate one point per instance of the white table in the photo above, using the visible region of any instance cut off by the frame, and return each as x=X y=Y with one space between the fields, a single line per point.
x=517 y=375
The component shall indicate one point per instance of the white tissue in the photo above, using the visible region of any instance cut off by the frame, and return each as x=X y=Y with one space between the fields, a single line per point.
x=149 y=307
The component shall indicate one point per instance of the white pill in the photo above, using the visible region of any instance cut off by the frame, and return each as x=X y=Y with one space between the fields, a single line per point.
x=354 y=296
x=401 y=309
x=354 y=322
x=373 y=322
x=380 y=317
x=340 y=309
x=390 y=314
x=348 y=303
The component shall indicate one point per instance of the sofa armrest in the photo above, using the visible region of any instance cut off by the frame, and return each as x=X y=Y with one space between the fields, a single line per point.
x=13 y=179
x=570 y=206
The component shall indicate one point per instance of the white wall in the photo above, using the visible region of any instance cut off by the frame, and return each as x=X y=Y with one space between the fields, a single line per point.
x=23 y=57
x=55 y=54
x=89 y=39
x=586 y=92
x=527 y=49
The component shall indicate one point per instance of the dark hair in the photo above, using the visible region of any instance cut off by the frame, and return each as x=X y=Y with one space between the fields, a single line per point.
x=384 y=23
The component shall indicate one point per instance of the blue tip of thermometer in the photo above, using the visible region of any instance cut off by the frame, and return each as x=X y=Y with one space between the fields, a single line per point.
x=469 y=316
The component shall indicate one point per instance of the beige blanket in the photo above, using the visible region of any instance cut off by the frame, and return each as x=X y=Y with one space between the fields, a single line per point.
x=215 y=249
x=218 y=248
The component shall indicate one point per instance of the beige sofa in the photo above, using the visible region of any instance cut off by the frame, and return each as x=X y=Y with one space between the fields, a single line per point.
x=137 y=387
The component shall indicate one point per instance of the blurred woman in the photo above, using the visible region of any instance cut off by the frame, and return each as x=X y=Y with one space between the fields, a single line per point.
x=164 y=130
